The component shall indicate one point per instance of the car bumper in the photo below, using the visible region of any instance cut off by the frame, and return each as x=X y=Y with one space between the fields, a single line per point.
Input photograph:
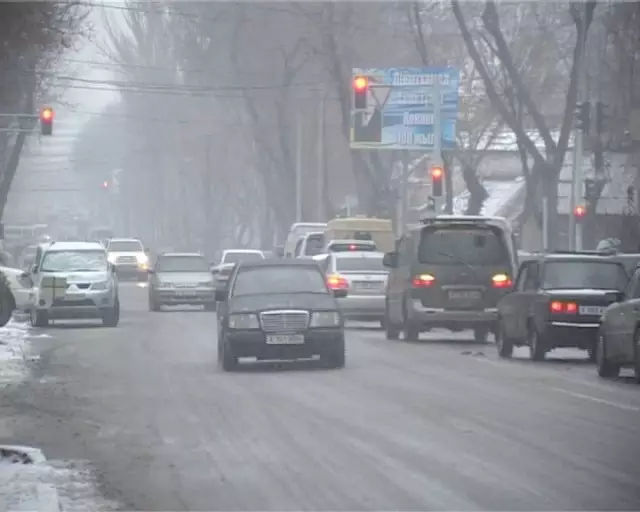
x=252 y=343
x=194 y=296
x=362 y=306
x=452 y=318
x=571 y=335
x=93 y=305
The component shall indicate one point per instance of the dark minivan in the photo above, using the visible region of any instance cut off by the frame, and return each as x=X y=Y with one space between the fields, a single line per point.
x=450 y=272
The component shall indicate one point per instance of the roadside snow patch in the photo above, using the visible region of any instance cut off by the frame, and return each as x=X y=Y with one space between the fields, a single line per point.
x=13 y=351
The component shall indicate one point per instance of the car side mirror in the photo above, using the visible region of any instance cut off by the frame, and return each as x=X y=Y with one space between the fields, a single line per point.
x=390 y=260
x=221 y=295
x=340 y=294
x=614 y=297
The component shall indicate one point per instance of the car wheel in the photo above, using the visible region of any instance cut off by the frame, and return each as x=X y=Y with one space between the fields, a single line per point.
x=111 y=317
x=537 y=349
x=606 y=369
x=480 y=335
x=503 y=344
x=7 y=305
x=38 y=318
x=228 y=360
x=391 y=331
x=636 y=356
x=154 y=305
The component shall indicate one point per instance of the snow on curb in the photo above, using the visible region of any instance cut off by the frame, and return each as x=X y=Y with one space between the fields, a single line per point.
x=13 y=351
x=47 y=486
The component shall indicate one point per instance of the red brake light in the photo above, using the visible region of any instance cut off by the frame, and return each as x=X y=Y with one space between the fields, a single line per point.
x=337 y=282
x=501 y=281
x=423 y=281
x=353 y=247
x=570 y=308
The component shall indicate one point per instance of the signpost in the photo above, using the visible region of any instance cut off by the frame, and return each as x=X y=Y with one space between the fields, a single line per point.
x=410 y=109
x=401 y=108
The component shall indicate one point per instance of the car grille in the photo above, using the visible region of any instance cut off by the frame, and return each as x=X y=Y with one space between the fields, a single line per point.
x=127 y=260
x=284 y=320
x=81 y=286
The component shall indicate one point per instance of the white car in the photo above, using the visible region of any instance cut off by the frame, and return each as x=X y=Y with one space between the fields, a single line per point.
x=22 y=294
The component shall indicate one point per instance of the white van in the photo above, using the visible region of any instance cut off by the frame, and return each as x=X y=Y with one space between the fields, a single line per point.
x=297 y=230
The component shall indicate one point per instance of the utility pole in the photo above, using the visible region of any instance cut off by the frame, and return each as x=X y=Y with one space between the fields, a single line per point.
x=404 y=194
x=578 y=162
x=437 y=134
x=299 y=168
x=320 y=188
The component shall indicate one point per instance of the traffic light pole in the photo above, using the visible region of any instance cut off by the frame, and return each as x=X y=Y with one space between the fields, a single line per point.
x=437 y=134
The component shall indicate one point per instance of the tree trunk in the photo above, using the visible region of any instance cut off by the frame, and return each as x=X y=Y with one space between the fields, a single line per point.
x=477 y=193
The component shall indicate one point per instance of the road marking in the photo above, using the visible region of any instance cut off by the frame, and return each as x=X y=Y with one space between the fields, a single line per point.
x=625 y=407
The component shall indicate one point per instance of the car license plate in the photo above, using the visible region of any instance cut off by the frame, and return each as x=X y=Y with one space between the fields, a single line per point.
x=465 y=295
x=184 y=293
x=368 y=286
x=285 y=339
x=591 y=310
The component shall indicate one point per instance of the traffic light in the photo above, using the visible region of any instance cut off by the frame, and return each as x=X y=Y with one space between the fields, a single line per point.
x=437 y=175
x=46 y=121
x=360 y=92
x=105 y=185
x=601 y=117
x=579 y=213
x=582 y=116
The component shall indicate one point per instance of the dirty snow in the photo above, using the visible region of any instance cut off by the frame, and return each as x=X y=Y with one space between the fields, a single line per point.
x=14 y=351
x=51 y=486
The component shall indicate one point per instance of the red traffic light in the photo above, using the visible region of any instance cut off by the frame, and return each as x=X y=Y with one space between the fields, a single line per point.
x=360 y=83
x=105 y=184
x=436 y=173
x=580 y=211
x=47 y=114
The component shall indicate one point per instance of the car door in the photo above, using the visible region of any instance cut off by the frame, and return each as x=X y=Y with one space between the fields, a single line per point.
x=507 y=306
x=525 y=300
x=625 y=321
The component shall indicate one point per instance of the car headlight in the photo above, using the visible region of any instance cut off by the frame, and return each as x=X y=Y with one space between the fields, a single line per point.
x=102 y=285
x=243 y=321
x=142 y=259
x=325 y=319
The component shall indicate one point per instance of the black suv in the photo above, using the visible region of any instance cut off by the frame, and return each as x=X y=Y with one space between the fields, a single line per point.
x=279 y=309
x=450 y=272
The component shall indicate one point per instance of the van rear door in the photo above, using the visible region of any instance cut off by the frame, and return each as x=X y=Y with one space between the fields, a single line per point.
x=462 y=266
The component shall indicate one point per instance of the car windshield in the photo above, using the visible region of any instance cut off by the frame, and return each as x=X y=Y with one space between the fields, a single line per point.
x=125 y=246
x=596 y=275
x=455 y=246
x=182 y=264
x=273 y=280
x=74 y=261
x=360 y=264
x=314 y=246
x=235 y=257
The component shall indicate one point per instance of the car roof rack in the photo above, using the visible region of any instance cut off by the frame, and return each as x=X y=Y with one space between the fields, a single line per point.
x=591 y=252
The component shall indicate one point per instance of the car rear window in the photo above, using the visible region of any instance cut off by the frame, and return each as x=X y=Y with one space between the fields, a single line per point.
x=182 y=264
x=314 y=246
x=573 y=274
x=462 y=245
x=284 y=279
x=361 y=264
x=235 y=257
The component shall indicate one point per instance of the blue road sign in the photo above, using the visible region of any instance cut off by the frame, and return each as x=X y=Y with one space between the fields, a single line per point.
x=400 y=109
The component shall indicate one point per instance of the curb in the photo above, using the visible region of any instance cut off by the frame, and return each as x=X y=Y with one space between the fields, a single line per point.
x=46 y=499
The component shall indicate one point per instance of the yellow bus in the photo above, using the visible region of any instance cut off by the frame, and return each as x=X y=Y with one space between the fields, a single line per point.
x=362 y=228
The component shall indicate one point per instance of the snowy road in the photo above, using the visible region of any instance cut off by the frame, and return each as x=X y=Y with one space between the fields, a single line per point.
x=440 y=424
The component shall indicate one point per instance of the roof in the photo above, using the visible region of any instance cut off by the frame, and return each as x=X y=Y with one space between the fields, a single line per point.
x=358 y=254
x=251 y=251
x=124 y=240
x=181 y=254
x=577 y=257
x=74 y=246
x=286 y=262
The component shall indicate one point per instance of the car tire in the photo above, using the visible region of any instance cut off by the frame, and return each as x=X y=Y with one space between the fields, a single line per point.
x=154 y=305
x=7 y=306
x=537 y=348
x=606 y=369
x=210 y=306
x=111 y=317
x=228 y=359
x=503 y=344
x=480 y=335
x=38 y=318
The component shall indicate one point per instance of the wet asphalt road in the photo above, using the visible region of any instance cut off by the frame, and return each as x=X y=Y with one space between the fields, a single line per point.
x=440 y=424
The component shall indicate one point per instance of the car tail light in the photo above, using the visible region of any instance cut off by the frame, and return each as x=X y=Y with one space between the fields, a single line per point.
x=423 y=281
x=570 y=308
x=337 y=282
x=501 y=281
